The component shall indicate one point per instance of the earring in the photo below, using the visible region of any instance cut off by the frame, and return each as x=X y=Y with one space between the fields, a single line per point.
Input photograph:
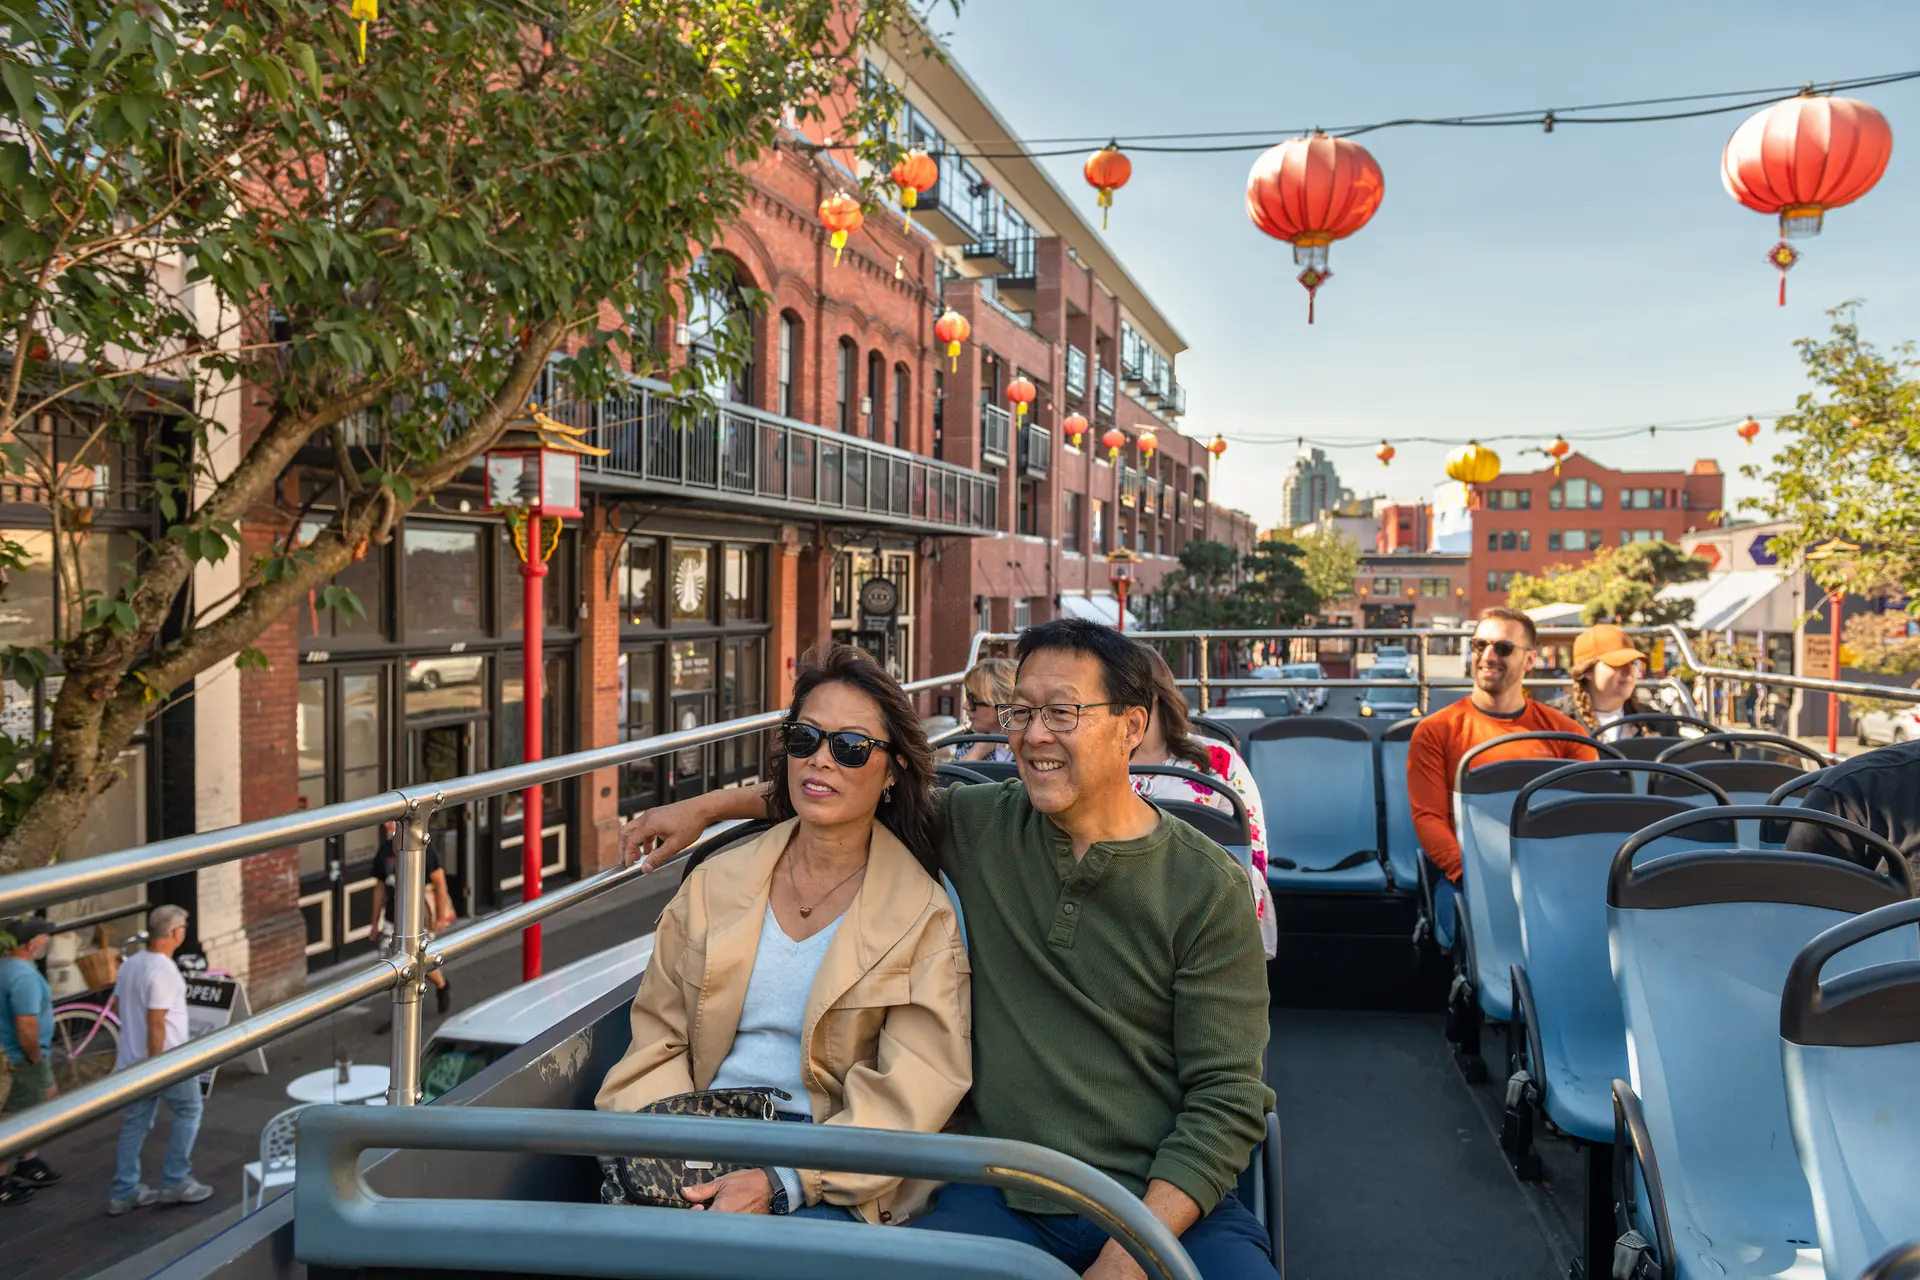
x=886 y=793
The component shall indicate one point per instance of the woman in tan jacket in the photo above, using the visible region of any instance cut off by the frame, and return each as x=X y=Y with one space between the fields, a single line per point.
x=822 y=959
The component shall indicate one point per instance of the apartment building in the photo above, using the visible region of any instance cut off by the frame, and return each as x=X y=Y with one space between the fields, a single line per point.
x=1404 y=527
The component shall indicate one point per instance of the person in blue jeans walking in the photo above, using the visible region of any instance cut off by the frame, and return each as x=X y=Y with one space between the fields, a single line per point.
x=152 y=998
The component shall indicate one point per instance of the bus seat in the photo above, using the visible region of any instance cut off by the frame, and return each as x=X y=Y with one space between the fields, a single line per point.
x=1747 y=781
x=1260 y=1189
x=1231 y=829
x=1318 y=774
x=1702 y=942
x=1645 y=749
x=1562 y=850
x=959 y=912
x=1483 y=807
x=1788 y=795
x=1403 y=845
x=1842 y=1042
x=993 y=770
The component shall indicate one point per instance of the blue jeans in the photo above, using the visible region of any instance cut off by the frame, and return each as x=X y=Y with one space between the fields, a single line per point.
x=183 y=1101
x=1227 y=1244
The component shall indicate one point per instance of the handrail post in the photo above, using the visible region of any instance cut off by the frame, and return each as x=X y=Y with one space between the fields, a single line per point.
x=1206 y=669
x=410 y=948
x=1420 y=674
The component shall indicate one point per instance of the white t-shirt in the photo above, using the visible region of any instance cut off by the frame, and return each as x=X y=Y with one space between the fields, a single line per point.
x=1611 y=730
x=149 y=980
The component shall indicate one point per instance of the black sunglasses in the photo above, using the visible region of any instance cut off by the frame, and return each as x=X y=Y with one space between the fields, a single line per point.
x=1501 y=648
x=849 y=748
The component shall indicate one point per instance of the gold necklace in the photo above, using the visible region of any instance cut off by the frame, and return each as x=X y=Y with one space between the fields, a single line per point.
x=807 y=911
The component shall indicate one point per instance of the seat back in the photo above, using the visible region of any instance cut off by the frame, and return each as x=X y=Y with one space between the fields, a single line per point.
x=1562 y=850
x=1702 y=941
x=1402 y=842
x=1228 y=828
x=1331 y=840
x=1742 y=745
x=1218 y=730
x=279 y=1140
x=1790 y=794
x=1747 y=781
x=1842 y=1040
x=1645 y=748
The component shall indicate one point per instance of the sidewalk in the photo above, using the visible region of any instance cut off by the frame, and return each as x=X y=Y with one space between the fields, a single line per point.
x=64 y=1231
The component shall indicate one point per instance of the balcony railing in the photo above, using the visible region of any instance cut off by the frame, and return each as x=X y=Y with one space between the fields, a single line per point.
x=1173 y=401
x=1076 y=372
x=947 y=209
x=1129 y=486
x=996 y=435
x=1010 y=257
x=1166 y=500
x=1149 y=496
x=1036 y=450
x=1132 y=372
x=1103 y=396
x=660 y=444
x=1180 y=506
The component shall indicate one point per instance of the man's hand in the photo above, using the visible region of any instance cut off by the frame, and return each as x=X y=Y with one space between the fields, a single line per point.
x=1164 y=1201
x=1114 y=1263
x=26 y=1031
x=742 y=1191
x=659 y=834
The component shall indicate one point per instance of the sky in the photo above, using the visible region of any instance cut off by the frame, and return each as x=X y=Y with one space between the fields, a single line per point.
x=1513 y=281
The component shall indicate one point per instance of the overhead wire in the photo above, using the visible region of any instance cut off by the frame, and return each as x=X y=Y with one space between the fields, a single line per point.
x=1597 y=435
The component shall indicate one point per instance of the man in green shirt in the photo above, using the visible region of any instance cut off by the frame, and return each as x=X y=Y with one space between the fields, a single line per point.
x=1119 y=986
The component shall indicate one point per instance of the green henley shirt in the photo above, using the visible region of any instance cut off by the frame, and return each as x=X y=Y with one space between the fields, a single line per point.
x=1119 y=1002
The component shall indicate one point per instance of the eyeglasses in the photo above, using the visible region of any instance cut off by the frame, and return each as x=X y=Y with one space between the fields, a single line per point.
x=1501 y=648
x=1058 y=717
x=849 y=748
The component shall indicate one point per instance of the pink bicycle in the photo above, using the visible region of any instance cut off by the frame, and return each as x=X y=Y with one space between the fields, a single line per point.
x=86 y=1030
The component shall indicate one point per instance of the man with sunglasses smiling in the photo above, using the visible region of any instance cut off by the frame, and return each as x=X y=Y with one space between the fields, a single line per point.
x=1501 y=654
x=1119 y=984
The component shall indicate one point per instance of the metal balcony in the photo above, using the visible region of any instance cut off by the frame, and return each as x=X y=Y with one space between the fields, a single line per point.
x=1036 y=451
x=1103 y=394
x=1009 y=257
x=996 y=435
x=1166 y=500
x=947 y=209
x=1129 y=486
x=1149 y=497
x=742 y=457
x=1076 y=373
x=1173 y=401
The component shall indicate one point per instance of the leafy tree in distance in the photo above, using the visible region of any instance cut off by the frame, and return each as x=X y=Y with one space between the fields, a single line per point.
x=209 y=204
x=1217 y=588
x=1617 y=583
x=1849 y=467
x=1329 y=559
x=1277 y=593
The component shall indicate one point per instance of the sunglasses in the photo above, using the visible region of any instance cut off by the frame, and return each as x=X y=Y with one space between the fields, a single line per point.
x=851 y=749
x=1501 y=648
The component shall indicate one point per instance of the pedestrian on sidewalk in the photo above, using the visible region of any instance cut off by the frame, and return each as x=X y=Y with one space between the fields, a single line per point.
x=152 y=997
x=26 y=1036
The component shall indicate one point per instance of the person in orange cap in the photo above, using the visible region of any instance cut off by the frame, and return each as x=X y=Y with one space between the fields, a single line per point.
x=1606 y=669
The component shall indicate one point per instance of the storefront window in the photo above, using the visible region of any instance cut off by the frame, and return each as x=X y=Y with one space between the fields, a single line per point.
x=639 y=678
x=639 y=589
x=559 y=598
x=310 y=749
x=745 y=590
x=555 y=713
x=692 y=580
x=443 y=580
x=450 y=684
x=26 y=610
x=366 y=578
x=363 y=720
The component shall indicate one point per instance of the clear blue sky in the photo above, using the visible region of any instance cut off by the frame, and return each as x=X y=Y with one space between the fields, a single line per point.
x=1513 y=281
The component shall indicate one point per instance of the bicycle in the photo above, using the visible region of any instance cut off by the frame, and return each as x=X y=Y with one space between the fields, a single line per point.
x=86 y=1033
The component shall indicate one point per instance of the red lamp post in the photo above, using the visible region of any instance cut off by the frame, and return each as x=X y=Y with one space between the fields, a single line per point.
x=1120 y=562
x=533 y=477
x=1830 y=550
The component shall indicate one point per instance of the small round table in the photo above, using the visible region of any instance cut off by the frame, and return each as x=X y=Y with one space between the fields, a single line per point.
x=364 y=1082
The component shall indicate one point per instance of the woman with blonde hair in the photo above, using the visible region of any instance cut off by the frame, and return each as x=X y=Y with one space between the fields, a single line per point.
x=989 y=684
x=1606 y=670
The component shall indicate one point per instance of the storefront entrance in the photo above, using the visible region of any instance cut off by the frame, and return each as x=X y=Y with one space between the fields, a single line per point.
x=437 y=754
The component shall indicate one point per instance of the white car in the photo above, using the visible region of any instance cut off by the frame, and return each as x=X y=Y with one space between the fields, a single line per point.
x=1312 y=697
x=1877 y=728
x=431 y=673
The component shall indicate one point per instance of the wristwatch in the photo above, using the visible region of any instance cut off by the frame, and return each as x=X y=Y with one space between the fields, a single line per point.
x=778 y=1204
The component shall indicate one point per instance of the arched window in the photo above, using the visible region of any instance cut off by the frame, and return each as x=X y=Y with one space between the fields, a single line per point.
x=718 y=319
x=787 y=391
x=849 y=379
x=876 y=380
x=899 y=406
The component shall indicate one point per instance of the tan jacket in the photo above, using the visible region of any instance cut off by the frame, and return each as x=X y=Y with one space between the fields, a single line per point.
x=887 y=1029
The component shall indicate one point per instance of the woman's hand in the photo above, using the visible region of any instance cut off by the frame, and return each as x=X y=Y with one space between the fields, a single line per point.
x=661 y=832
x=742 y=1191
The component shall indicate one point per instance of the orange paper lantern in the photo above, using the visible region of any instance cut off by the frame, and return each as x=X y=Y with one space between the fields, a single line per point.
x=952 y=329
x=1076 y=427
x=1020 y=394
x=1747 y=431
x=1311 y=192
x=1148 y=443
x=1115 y=439
x=1217 y=446
x=840 y=213
x=1385 y=453
x=1107 y=171
x=1558 y=451
x=913 y=173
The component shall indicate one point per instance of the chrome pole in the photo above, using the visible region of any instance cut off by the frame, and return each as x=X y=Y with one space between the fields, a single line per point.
x=409 y=949
x=1206 y=670
x=1420 y=672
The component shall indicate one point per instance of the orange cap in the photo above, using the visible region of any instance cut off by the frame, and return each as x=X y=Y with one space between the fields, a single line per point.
x=1605 y=643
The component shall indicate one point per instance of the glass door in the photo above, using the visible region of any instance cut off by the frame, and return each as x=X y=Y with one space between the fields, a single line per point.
x=439 y=753
x=340 y=734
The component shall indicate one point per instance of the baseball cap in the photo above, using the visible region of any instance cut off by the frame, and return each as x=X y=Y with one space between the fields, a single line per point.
x=1605 y=643
x=24 y=929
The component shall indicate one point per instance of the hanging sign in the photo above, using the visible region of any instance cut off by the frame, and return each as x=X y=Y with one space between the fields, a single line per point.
x=879 y=604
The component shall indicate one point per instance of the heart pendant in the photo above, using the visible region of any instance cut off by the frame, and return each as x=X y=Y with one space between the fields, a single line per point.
x=805 y=912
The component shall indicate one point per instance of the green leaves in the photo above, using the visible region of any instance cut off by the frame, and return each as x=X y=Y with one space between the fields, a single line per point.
x=1619 y=583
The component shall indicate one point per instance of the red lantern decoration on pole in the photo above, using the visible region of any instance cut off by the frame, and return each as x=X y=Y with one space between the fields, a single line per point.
x=1385 y=453
x=1558 y=451
x=1020 y=394
x=1108 y=170
x=1075 y=425
x=840 y=214
x=913 y=173
x=1747 y=431
x=1115 y=439
x=1217 y=446
x=1311 y=192
x=1801 y=157
x=1148 y=442
x=952 y=329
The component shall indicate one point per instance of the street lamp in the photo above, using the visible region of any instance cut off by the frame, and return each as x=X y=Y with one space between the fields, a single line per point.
x=533 y=475
x=1830 y=550
x=1120 y=562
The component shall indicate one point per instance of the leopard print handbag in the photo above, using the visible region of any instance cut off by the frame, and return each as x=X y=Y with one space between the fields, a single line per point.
x=656 y=1180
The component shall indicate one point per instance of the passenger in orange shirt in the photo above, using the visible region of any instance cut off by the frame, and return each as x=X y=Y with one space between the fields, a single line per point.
x=1502 y=652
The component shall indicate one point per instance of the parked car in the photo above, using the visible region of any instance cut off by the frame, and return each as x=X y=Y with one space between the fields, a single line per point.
x=431 y=673
x=1312 y=697
x=1394 y=702
x=1246 y=704
x=1878 y=728
x=1391 y=654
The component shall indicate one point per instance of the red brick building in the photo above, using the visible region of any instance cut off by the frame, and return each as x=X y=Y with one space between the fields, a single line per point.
x=1528 y=521
x=1404 y=527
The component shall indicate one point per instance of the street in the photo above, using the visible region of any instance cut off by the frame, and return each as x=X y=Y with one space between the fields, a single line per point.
x=64 y=1231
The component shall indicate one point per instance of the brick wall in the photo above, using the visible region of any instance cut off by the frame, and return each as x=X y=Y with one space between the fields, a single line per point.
x=599 y=699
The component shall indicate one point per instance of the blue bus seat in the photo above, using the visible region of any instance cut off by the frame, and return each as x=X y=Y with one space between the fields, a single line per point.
x=1329 y=838
x=1402 y=843
x=1562 y=851
x=1843 y=1043
x=1788 y=795
x=1702 y=942
x=1483 y=807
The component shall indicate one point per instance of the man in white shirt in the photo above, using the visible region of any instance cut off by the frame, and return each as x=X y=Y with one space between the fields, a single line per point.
x=152 y=998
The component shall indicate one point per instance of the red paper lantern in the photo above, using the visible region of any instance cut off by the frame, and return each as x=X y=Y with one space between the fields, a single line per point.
x=1148 y=443
x=840 y=214
x=913 y=173
x=1115 y=439
x=1747 y=431
x=1020 y=394
x=1801 y=157
x=1385 y=453
x=1107 y=171
x=1558 y=451
x=1075 y=426
x=952 y=329
x=1217 y=446
x=1311 y=192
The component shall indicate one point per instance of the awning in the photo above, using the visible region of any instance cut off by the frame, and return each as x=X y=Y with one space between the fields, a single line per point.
x=1102 y=608
x=1738 y=600
x=1561 y=614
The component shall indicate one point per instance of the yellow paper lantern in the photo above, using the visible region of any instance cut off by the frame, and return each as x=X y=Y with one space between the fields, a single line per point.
x=1473 y=465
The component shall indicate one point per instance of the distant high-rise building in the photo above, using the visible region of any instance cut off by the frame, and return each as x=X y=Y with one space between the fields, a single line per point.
x=1313 y=487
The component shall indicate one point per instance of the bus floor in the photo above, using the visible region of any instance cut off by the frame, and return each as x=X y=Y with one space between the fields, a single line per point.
x=1392 y=1161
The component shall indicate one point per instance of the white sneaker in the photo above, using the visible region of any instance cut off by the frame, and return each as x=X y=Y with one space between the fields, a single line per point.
x=142 y=1196
x=188 y=1192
